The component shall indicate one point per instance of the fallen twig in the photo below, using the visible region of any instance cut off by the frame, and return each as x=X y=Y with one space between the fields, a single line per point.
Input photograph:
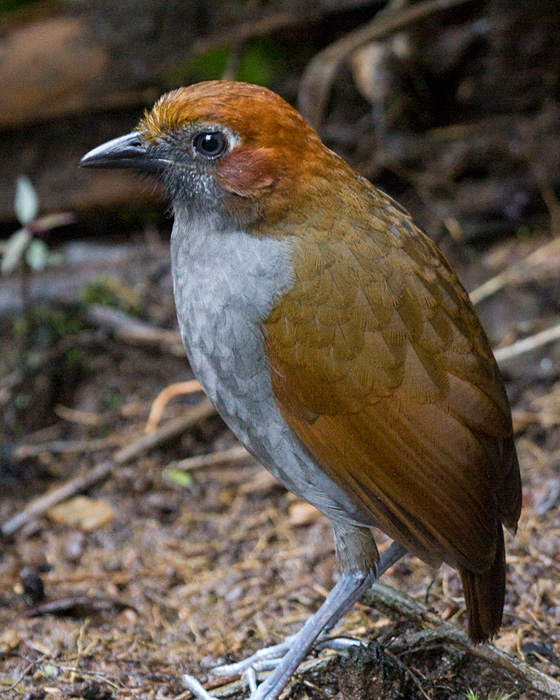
x=234 y=454
x=84 y=481
x=515 y=273
x=395 y=601
x=165 y=396
x=134 y=331
x=23 y=674
x=527 y=344
x=63 y=447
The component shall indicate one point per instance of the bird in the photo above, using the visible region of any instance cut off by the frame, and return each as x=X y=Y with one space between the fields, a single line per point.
x=336 y=342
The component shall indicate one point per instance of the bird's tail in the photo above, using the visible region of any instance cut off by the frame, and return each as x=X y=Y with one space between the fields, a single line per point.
x=485 y=594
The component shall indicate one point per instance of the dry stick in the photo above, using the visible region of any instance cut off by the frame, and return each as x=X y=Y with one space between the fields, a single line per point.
x=164 y=397
x=515 y=272
x=133 y=331
x=64 y=447
x=235 y=454
x=527 y=344
x=83 y=482
x=396 y=601
x=23 y=674
x=319 y=74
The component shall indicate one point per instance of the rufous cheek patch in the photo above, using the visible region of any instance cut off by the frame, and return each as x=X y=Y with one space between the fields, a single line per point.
x=248 y=170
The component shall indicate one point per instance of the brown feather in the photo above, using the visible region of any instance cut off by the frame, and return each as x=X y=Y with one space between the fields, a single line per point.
x=381 y=368
x=485 y=594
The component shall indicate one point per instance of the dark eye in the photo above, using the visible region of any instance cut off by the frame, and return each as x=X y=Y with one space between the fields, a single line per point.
x=210 y=144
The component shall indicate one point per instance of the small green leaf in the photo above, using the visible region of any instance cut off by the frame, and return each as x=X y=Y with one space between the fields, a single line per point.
x=22 y=401
x=209 y=65
x=16 y=245
x=37 y=255
x=26 y=202
x=49 y=670
x=178 y=477
x=261 y=62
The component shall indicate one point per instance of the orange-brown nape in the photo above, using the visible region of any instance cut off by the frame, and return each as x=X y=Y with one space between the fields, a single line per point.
x=337 y=343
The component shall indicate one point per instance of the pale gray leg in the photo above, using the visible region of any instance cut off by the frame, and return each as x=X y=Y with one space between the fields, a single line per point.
x=286 y=657
x=269 y=657
x=387 y=559
x=349 y=588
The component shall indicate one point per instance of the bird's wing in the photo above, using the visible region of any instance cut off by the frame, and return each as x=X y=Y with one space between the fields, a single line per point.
x=381 y=368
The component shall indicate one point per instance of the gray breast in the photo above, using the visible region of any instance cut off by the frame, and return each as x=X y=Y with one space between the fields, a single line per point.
x=225 y=284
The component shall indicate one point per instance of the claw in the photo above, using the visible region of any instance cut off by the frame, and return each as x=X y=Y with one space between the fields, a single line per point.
x=251 y=676
x=339 y=643
x=196 y=688
x=261 y=660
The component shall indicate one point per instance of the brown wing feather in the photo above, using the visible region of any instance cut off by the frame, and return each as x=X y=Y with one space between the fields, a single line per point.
x=382 y=369
x=485 y=594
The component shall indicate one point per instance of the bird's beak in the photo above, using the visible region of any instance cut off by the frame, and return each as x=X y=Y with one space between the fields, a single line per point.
x=128 y=151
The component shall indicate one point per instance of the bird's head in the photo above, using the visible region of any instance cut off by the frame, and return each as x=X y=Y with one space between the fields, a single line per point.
x=232 y=147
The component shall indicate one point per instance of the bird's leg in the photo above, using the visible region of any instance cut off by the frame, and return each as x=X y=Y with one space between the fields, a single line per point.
x=286 y=656
x=390 y=556
x=349 y=588
x=358 y=559
x=270 y=657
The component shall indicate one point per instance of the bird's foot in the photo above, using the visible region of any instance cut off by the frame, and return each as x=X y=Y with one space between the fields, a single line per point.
x=285 y=657
x=269 y=657
x=264 y=659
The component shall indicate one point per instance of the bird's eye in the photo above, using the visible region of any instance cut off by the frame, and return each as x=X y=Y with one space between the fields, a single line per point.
x=210 y=144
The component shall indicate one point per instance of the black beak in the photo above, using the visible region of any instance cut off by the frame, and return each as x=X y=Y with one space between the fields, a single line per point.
x=128 y=151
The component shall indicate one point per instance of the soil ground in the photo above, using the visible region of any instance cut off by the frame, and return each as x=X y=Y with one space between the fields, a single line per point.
x=157 y=574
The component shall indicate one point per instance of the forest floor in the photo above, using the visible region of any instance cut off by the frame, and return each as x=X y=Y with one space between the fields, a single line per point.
x=152 y=572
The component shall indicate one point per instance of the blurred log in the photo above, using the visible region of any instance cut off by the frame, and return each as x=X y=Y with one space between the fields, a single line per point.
x=76 y=74
x=46 y=70
x=464 y=117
